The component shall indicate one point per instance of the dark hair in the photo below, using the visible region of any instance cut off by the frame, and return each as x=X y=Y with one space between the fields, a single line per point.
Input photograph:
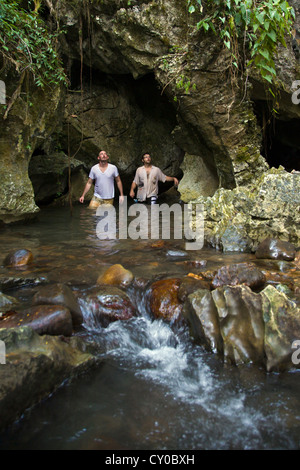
x=146 y=153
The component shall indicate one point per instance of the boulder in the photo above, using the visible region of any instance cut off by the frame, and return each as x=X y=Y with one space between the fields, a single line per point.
x=237 y=274
x=243 y=327
x=7 y=303
x=43 y=319
x=241 y=324
x=190 y=284
x=35 y=367
x=164 y=302
x=282 y=327
x=201 y=314
x=59 y=294
x=271 y=248
x=116 y=275
x=105 y=304
x=18 y=258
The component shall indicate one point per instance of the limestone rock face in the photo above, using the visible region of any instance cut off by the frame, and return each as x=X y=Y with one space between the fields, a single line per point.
x=238 y=220
x=31 y=120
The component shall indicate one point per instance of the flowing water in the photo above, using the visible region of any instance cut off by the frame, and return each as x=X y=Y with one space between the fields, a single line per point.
x=155 y=389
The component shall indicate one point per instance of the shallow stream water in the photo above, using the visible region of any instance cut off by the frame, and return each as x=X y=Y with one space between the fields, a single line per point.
x=155 y=388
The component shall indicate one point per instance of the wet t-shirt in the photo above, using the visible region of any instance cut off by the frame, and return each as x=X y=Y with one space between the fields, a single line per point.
x=104 y=181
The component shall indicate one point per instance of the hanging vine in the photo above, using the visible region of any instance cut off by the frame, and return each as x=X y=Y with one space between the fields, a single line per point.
x=254 y=27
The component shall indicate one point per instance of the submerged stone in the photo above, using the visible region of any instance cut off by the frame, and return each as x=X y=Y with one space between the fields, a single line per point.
x=43 y=319
x=239 y=273
x=59 y=294
x=164 y=301
x=116 y=275
x=18 y=258
x=272 y=248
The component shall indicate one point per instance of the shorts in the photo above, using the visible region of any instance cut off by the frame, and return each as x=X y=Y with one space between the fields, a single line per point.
x=96 y=202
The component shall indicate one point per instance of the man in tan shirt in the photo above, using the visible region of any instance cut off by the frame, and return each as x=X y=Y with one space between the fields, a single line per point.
x=146 y=181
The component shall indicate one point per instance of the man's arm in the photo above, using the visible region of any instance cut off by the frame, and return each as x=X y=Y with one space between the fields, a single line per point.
x=132 y=189
x=120 y=187
x=86 y=189
x=172 y=178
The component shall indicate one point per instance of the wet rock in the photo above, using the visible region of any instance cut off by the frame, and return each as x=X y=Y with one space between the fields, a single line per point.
x=35 y=367
x=43 y=319
x=116 y=275
x=106 y=304
x=272 y=248
x=9 y=282
x=282 y=328
x=176 y=253
x=18 y=258
x=164 y=301
x=7 y=303
x=190 y=284
x=237 y=274
x=241 y=324
x=202 y=316
x=244 y=327
x=59 y=294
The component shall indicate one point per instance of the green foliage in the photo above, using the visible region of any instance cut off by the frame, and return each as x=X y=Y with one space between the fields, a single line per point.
x=259 y=26
x=28 y=45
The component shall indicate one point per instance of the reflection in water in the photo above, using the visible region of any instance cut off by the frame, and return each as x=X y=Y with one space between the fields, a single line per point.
x=155 y=388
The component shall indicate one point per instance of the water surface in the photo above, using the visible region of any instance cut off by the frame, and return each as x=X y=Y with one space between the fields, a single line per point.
x=155 y=389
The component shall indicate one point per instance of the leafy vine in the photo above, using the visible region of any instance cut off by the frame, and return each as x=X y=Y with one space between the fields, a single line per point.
x=259 y=25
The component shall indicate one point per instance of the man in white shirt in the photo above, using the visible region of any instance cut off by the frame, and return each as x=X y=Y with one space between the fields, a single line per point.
x=146 y=181
x=103 y=174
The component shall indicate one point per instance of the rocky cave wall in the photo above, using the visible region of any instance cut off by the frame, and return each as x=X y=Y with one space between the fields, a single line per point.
x=128 y=66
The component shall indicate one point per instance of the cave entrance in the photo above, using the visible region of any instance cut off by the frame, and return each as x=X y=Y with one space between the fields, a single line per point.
x=280 y=142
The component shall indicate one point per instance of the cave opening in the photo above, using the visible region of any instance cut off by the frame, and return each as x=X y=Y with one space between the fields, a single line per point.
x=280 y=138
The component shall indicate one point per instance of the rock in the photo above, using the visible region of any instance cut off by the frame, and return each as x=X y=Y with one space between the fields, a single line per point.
x=18 y=258
x=244 y=327
x=7 y=303
x=59 y=294
x=176 y=254
x=282 y=328
x=163 y=301
x=240 y=273
x=190 y=284
x=201 y=314
x=43 y=319
x=116 y=275
x=35 y=367
x=49 y=175
x=272 y=248
x=241 y=324
x=106 y=304
x=198 y=178
x=240 y=218
x=26 y=128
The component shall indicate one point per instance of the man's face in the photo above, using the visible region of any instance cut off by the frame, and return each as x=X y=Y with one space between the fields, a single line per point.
x=103 y=156
x=146 y=158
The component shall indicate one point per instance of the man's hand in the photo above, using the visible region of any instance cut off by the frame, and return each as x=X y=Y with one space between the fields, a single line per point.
x=81 y=199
